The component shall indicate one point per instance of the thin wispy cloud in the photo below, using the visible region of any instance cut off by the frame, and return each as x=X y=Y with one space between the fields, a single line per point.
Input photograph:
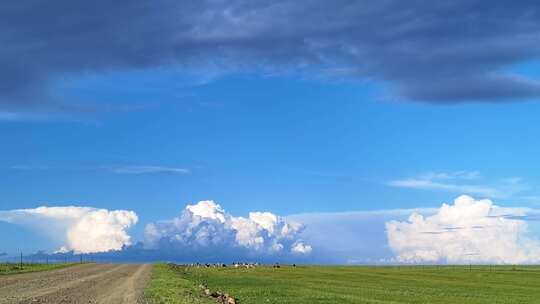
x=530 y=199
x=470 y=182
x=29 y=167
x=116 y=169
x=425 y=184
x=147 y=170
x=465 y=175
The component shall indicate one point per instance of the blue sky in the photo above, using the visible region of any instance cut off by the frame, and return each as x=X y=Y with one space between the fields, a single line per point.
x=295 y=126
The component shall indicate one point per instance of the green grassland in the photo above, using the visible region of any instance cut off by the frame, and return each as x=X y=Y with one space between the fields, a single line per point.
x=14 y=268
x=168 y=285
x=361 y=284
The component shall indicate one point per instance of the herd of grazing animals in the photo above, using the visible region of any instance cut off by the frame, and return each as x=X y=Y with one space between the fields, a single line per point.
x=221 y=298
x=222 y=265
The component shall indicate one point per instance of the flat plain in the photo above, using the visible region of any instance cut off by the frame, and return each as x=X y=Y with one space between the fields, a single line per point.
x=358 y=284
x=179 y=284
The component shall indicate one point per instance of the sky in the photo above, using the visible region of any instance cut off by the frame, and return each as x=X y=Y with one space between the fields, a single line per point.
x=311 y=131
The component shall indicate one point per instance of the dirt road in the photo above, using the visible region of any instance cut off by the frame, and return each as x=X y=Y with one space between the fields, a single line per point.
x=89 y=283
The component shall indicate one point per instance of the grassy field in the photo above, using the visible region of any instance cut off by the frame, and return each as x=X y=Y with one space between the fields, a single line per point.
x=13 y=268
x=169 y=286
x=312 y=284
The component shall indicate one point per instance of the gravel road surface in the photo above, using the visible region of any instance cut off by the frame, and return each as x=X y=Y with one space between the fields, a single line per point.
x=88 y=284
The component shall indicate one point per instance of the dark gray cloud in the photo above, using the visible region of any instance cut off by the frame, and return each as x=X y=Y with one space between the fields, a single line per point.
x=429 y=51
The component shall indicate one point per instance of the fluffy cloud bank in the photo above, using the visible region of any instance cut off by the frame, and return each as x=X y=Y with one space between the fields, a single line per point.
x=205 y=227
x=82 y=229
x=469 y=231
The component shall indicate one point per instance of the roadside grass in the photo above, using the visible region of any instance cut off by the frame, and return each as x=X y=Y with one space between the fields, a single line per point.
x=169 y=286
x=15 y=268
x=356 y=284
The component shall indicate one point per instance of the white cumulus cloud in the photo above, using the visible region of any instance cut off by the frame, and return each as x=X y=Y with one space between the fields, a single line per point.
x=81 y=229
x=469 y=231
x=301 y=248
x=206 y=227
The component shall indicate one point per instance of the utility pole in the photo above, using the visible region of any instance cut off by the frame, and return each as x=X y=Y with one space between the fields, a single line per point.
x=21 y=260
